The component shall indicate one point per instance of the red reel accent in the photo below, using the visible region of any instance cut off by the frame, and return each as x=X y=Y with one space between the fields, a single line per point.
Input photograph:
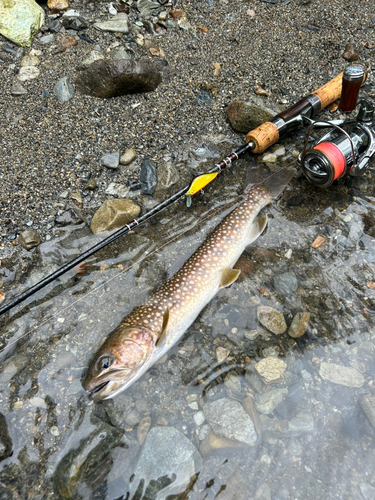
x=335 y=156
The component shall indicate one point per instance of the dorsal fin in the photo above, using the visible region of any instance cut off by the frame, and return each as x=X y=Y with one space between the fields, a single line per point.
x=229 y=276
x=162 y=337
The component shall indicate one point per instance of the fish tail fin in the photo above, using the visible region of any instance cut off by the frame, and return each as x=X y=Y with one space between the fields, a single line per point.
x=277 y=182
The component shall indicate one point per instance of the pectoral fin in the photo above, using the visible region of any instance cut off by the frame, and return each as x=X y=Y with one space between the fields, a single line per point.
x=162 y=337
x=257 y=228
x=229 y=276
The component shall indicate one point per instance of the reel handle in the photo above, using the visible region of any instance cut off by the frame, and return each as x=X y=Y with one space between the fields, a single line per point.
x=269 y=132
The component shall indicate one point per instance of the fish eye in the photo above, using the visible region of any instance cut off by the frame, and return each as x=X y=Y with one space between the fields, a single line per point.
x=104 y=362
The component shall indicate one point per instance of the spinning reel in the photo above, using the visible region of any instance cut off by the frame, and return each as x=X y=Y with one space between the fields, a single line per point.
x=345 y=149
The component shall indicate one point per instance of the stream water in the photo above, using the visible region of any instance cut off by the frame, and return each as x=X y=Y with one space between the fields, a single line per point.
x=204 y=422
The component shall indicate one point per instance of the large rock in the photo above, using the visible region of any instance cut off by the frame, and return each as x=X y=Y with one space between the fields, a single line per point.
x=118 y=77
x=228 y=419
x=114 y=214
x=342 y=375
x=167 y=463
x=245 y=116
x=20 y=20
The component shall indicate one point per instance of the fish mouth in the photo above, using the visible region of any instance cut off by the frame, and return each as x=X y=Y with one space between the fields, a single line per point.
x=95 y=392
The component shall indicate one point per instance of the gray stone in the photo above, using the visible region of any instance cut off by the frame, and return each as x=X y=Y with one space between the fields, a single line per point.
x=146 y=7
x=93 y=56
x=167 y=175
x=118 y=24
x=20 y=20
x=339 y=374
x=119 y=190
x=118 y=77
x=29 y=239
x=17 y=89
x=148 y=177
x=118 y=409
x=286 y=283
x=273 y=320
x=199 y=418
x=121 y=54
x=128 y=156
x=133 y=418
x=28 y=73
x=64 y=89
x=302 y=423
x=267 y=402
x=228 y=419
x=46 y=39
x=367 y=403
x=110 y=160
x=245 y=116
x=114 y=214
x=166 y=453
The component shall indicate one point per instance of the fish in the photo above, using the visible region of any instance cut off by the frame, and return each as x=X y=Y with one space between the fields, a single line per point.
x=152 y=328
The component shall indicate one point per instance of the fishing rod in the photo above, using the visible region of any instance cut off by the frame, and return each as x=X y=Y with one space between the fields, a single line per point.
x=257 y=141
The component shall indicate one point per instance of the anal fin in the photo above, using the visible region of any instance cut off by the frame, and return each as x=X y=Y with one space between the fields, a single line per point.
x=257 y=228
x=229 y=276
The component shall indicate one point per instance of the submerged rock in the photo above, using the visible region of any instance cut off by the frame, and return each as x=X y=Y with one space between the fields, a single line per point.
x=228 y=419
x=20 y=20
x=168 y=463
x=114 y=214
x=118 y=77
x=299 y=324
x=273 y=320
x=271 y=369
x=339 y=374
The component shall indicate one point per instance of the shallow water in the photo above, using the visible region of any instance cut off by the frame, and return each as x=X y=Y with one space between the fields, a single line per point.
x=313 y=429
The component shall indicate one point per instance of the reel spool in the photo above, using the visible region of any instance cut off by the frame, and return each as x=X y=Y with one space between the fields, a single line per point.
x=342 y=150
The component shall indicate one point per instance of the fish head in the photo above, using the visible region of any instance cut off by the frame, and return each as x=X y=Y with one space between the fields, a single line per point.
x=119 y=361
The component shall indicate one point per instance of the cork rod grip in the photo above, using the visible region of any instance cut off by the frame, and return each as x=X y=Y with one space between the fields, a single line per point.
x=330 y=92
x=263 y=136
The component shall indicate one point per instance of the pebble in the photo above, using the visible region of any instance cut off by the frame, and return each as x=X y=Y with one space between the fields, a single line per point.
x=143 y=428
x=367 y=403
x=38 y=402
x=54 y=431
x=228 y=419
x=199 y=418
x=165 y=452
x=114 y=214
x=222 y=354
x=29 y=239
x=29 y=61
x=270 y=158
x=18 y=89
x=119 y=190
x=128 y=156
x=350 y=53
x=64 y=90
x=116 y=25
x=110 y=160
x=271 y=369
x=28 y=73
x=74 y=22
x=273 y=320
x=299 y=325
x=267 y=402
x=148 y=177
x=133 y=418
x=214 y=442
x=339 y=374
x=46 y=39
x=57 y=6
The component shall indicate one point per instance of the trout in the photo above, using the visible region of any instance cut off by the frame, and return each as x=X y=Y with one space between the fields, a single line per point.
x=151 y=329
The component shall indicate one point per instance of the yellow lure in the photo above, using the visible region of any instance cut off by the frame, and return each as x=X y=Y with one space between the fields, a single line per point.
x=200 y=182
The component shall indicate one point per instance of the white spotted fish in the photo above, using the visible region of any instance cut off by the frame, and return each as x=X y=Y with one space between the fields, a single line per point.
x=151 y=329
